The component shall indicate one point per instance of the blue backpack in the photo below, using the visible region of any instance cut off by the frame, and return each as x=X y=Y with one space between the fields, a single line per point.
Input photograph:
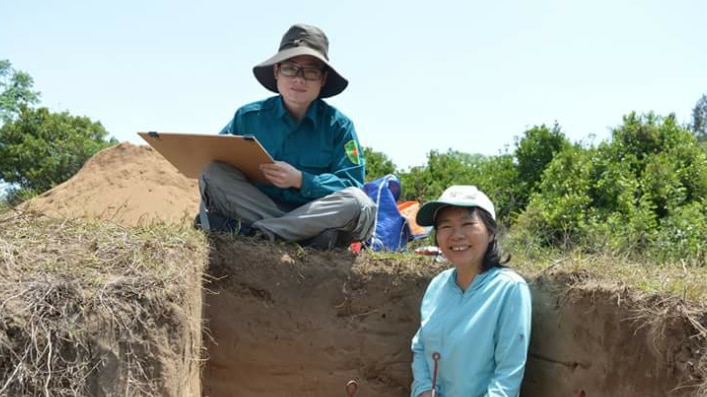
x=391 y=230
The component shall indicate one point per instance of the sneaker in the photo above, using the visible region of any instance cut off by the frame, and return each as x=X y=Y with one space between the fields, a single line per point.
x=328 y=240
x=219 y=223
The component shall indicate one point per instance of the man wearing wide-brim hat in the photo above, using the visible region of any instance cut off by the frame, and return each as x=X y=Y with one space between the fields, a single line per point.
x=313 y=195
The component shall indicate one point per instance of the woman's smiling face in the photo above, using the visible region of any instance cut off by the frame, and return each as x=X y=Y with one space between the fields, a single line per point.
x=462 y=236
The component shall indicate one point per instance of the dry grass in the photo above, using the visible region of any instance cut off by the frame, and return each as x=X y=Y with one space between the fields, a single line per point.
x=686 y=280
x=87 y=308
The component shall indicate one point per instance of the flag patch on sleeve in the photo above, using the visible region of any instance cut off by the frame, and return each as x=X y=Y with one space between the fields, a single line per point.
x=352 y=152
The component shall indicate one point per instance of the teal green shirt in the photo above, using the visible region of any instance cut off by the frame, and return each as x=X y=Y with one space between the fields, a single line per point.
x=323 y=145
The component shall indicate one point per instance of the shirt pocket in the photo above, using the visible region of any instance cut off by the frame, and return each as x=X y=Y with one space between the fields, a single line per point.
x=316 y=160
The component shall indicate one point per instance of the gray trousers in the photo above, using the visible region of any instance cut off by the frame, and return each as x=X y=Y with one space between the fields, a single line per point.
x=224 y=189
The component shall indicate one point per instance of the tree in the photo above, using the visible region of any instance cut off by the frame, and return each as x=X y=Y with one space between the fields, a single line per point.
x=497 y=176
x=41 y=149
x=641 y=193
x=442 y=170
x=557 y=211
x=699 y=119
x=15 y=91
x=534 y=152
x=377 y=164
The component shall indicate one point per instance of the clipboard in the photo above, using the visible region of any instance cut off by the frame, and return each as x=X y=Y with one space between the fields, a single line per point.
x=191 y=153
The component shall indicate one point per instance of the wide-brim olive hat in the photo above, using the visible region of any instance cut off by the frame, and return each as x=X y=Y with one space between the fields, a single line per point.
x=300 y=40
x=456 y=196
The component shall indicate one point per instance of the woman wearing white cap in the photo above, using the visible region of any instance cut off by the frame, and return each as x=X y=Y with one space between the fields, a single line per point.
x=475 y=317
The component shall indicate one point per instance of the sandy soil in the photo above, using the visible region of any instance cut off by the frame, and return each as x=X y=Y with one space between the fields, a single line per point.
x=125 y=184
x=289 y=325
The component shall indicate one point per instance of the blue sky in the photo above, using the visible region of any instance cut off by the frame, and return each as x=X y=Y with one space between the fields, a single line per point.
x=424 y=76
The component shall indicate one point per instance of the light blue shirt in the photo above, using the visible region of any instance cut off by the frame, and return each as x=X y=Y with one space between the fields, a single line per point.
x=482 y=335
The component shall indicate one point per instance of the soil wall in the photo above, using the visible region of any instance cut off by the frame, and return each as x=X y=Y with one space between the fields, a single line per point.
x=287 y=325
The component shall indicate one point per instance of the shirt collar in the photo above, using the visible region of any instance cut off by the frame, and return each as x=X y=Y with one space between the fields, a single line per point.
x=479 y=279
x=311 y=111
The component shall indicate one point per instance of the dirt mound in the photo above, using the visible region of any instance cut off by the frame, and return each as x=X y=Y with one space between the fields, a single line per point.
x=125 y=184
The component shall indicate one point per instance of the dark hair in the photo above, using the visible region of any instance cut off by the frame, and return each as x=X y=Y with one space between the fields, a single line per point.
x=492 y=256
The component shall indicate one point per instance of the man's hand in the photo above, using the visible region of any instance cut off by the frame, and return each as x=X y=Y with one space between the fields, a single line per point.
x=282 y=174
x=425 y=394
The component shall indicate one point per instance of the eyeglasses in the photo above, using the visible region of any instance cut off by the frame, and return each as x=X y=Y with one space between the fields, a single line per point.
x=292 y=70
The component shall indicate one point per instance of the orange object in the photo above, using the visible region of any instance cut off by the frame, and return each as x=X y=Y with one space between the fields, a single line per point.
x=409 y=209
x=356 y=247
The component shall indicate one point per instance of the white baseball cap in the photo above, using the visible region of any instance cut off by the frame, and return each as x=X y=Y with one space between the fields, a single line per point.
x=457 y=196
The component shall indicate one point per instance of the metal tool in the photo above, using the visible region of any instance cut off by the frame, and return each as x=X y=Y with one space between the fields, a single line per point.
x=435 y=356
x=351 y=388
